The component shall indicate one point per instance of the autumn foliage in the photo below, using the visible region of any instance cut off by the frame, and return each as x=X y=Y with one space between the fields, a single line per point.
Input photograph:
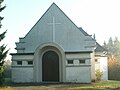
x=113 y=48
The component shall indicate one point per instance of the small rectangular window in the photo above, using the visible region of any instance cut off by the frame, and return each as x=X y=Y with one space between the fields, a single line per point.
x=82 y=61
x=70 y=61
x=19 y=62
x=30 y=62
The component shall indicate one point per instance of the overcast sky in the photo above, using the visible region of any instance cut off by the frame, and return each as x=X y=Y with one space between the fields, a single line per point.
x=101 y=17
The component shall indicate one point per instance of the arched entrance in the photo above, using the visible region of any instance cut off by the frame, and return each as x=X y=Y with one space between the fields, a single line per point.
x=50 y=66
x=40 y=53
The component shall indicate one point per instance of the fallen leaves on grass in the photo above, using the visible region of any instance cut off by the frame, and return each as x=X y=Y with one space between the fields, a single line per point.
x=6 y=88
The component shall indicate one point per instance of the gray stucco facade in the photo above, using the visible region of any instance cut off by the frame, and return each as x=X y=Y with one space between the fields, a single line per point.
x=54 y=31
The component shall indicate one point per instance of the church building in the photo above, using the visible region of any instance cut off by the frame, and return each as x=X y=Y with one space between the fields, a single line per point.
x=56 y=50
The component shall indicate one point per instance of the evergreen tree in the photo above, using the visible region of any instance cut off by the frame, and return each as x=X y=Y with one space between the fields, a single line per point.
x=110 y=46
x=116 y=47
x=3 y=52
x=113 y=47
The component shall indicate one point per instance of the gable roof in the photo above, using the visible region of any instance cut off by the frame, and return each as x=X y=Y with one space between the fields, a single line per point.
x=47 y=14
x=99 y=48
x=52 y=5
x=85 y=33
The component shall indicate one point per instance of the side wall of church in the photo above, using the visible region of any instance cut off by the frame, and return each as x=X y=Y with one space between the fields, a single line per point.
x=101 y=63
x=78 y=68
x=22 y=68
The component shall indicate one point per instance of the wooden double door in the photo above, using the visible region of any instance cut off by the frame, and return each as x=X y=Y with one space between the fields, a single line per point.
x=50 y=67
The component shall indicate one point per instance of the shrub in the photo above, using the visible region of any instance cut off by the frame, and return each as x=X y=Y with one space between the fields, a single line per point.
x=98 y=74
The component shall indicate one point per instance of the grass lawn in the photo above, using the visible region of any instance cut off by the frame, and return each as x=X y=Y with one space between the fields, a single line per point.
x=102 y=85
